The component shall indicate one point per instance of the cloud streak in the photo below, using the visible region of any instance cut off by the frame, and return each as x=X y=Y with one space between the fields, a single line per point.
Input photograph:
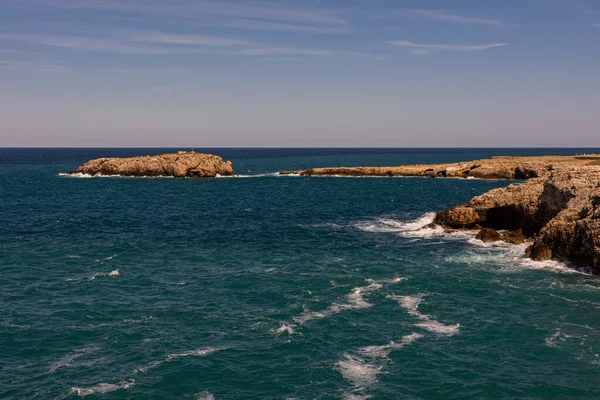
x=423 y=49
x=258 y=15
x=159 y=43
x=441 y=16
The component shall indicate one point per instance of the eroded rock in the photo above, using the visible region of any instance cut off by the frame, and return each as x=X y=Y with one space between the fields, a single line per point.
x=560 y=212
x=179 y=165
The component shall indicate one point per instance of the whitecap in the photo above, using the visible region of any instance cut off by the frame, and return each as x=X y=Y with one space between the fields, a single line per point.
x=411 y=305
x=196 y=353
x=376 y=352
x=205 y=396
x=354 y=301
x=101 y=274
x=357 y=371
x=102 y=388
x=68 y=361
x=434 y=326
x=289 y=329
x=388 y=225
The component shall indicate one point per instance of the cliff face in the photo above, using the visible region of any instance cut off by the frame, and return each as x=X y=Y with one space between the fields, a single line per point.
x=560 y=213
x=180 y=165
x=493 y=168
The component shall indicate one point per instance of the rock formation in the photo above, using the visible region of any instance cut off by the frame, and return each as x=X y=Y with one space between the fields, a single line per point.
x=560 y=212
x=493 y=168
x=179 y=165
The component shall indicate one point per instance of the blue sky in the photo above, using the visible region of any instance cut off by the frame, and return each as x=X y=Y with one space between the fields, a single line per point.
x=201 y=73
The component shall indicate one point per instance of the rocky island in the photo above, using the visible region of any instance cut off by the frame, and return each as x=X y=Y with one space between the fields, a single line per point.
x=184 y=164
x=492 y=168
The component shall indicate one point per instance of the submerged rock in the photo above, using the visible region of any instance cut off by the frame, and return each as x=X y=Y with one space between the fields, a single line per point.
x=488 y=235
x=560 y=212
x=179 y=165
x=514 y=237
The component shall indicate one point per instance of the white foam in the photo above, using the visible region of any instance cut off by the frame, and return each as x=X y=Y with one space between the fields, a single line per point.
x=106 y=259
x=68 y=361
x=354 y=301
x=205 y=396
x=434 y=326
x=102 y=388
x=76 y=175
x=376 y=352
x=196 y=353
x=357 y=371
x=411 y=305
x=388 y=225
x=289 y=329
x=100 y=274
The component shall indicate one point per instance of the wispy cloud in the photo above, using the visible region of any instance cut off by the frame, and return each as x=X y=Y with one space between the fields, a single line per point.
x=423 y=49
x=159 y=43
x=247 y=15
x=596 y=25
x=22 y=60
x=441 y=16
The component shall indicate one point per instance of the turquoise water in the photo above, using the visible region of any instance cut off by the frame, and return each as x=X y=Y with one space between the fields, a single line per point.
x=266 y=287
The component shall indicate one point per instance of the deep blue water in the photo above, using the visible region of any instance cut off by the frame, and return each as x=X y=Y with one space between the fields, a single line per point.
x=266 y=287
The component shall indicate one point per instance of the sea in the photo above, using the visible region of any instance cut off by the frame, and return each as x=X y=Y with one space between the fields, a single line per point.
x=263 y=286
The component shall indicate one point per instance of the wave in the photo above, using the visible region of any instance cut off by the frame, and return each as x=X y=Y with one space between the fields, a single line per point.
x=102 y=388
x=354 y=301
x=285 y=329
x=357 y=371
x=68 y=361
x=411 y=305
x=196 y=353
x=80 y=175
x=418 y=228
x=376 y=352
x=205 y=396
x=362 y=369
x=100 y=274
x=193 y=353
x=505 y=254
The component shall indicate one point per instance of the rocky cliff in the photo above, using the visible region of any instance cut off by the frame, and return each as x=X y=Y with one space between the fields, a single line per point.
x=493 y=168
x=559 y=213
x=179 y=165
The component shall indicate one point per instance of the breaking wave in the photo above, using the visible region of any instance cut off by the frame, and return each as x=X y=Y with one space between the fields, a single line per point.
x=362 y=368
x=411 y=305
x=354 y=301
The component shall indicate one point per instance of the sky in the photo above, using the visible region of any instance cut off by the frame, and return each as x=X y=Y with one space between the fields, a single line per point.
x=300 y=73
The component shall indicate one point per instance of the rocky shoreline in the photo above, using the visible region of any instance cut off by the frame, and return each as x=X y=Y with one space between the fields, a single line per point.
x=520 y=168
x=178 y=165
x=559 y=214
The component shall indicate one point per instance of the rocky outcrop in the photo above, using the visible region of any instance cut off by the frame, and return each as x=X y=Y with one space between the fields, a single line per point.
x=179 y=165
x=493 y=168
x=559 y=212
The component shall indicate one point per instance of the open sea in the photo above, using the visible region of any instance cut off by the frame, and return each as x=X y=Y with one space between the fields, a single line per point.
x=277 y=287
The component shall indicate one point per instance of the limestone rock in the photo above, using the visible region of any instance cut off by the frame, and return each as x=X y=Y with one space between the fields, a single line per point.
x=519 y=168
x=514 y=237
x=488 y=235
x=179 y=165
x=560 y=211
